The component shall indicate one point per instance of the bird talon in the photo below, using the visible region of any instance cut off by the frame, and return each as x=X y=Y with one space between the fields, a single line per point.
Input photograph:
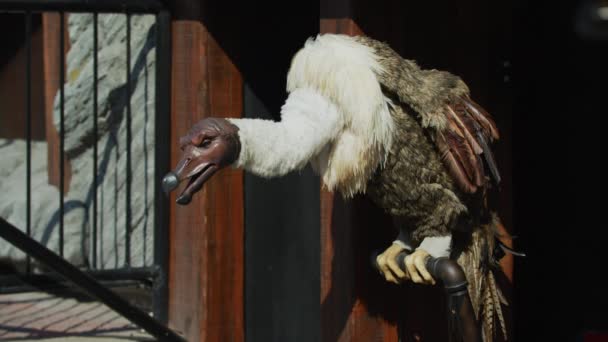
x=415 y=264
x=388 y=267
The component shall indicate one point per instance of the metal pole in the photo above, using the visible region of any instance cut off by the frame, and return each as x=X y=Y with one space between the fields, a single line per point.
x=162 y=162
x=28 y=131
x=128 y=146
x=95 y=138
x=61 y=127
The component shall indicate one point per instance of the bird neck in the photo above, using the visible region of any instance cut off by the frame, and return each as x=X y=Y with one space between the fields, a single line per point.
x=274 y=148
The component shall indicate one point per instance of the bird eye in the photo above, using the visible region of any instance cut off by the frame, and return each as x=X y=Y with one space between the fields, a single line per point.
x=205 y=143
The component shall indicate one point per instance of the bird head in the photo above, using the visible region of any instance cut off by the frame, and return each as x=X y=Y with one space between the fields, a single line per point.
x=209 y=146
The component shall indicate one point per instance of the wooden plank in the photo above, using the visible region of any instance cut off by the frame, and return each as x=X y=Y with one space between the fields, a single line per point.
x=206 y=254
x=346 y=316
x=435 y=37
x=186 y=223
x=225 y=317
x=50 y=47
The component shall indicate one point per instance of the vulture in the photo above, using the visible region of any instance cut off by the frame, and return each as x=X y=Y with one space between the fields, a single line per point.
x=371 y=122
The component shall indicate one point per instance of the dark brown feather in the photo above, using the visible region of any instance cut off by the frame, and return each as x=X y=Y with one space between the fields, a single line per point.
x=454 y=165
x=467 y=136
x=482 y=117
x=462 y=151
x=467 y=123
x=482 y=136
x=489 y=157
x=472 y=147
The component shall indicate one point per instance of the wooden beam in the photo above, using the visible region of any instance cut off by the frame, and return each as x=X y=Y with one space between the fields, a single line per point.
x=340 y=25
x=51 y=48
x=206 y=253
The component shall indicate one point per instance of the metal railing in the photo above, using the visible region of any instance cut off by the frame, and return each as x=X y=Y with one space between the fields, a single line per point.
x=86 y=283
x=152 y=277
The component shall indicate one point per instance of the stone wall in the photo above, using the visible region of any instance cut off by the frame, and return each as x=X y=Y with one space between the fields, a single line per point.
x=112 y=150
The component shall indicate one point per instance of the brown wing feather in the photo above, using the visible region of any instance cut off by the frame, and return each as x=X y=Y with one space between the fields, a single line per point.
x=464 y=153
x=463 y=144
x=454 y=164
x=473 y=150
x=482 y=117
x=484 y=136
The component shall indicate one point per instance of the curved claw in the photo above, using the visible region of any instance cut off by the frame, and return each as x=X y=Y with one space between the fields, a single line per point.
x=415 y=264
x=388 y=264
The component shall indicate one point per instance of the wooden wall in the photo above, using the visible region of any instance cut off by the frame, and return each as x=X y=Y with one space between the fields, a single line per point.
x=348 y=287
x=44 y=84
x=458 y=38
x=206 y=253
x=12 y=78
x=357 y=304
x=471 y=39
x=280 y=264
x=241 y=264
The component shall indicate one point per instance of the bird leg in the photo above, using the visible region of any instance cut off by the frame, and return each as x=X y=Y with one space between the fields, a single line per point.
x=414 y=269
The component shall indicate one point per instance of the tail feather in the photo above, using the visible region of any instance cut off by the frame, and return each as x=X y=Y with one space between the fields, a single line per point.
x=479 y=264
x=497 y=302
x=487 y=316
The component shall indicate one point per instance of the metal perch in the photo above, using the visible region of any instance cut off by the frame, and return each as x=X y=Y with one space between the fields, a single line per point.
x=462 y=324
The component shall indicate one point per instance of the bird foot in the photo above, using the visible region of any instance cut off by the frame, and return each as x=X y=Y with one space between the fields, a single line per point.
x=414 y=270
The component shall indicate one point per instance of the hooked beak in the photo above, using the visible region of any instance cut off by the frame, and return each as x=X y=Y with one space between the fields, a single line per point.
x=210 y=145
x=196 y=172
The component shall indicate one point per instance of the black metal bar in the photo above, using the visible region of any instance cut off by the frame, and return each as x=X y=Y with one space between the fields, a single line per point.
x=162 y=158
x=28 y=131
x=101 y=6
x=95 y=138
x=85 y=282
x=142 y=275
x=60 y=287
x=162 y=162
x=61 y=127
x=128 y=145
x=63 y=288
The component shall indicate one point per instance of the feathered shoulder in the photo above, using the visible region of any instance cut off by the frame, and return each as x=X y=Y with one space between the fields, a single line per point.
x=344 y=71
x=462 y=130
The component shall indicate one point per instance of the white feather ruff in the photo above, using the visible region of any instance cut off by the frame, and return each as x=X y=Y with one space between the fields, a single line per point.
x=336 y=117
x=345 y=72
